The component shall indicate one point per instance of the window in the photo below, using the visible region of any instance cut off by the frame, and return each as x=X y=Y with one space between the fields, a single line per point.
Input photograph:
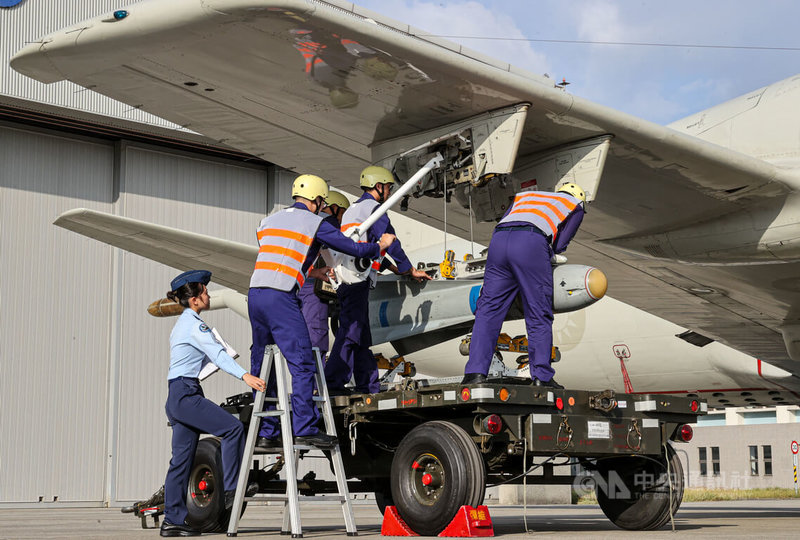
x=754 y=461
x=703 y=458
x=715 y=460
x=767 y=450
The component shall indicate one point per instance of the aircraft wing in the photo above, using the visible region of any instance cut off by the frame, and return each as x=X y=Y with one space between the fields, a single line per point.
x=230 y=262
x=318 y=86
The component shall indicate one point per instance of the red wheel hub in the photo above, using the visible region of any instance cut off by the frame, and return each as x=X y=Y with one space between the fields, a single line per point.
x=427 y=479
x=202 y=485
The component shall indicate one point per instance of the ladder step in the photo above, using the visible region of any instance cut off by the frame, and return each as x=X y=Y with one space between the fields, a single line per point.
x=274 y=412
x=314 y=498
x=292 y=453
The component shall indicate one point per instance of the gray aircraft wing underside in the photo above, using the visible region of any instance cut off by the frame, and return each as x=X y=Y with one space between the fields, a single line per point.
x=313 y=86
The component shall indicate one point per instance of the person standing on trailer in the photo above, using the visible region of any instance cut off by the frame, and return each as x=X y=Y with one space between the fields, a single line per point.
x=315 y=311
x=537 y=225
x=350 y=355
x=192 y=345
x=289 y=242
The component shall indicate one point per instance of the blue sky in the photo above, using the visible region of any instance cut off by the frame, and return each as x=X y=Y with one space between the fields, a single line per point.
x=661 y=84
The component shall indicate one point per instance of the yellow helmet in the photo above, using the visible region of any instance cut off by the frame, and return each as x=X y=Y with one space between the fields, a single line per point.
x=309 y=187
x=373 y=175
x=574 y=190
x=334 y=197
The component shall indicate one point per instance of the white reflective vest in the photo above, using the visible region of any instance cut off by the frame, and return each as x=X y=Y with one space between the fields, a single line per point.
x=284 y=240
x=544 y=210
x=355 y=216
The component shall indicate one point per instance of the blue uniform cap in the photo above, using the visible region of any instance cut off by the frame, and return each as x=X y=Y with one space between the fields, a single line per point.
x=191 y=276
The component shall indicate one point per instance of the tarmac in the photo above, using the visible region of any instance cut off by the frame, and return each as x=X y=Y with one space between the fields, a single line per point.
x=739 y=519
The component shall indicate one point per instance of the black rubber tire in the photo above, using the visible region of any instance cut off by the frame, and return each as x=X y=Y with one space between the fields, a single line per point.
x=629 y=504
x=447 y=453
x=206 y=508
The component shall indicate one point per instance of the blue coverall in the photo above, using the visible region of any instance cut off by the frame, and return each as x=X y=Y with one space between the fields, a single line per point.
x=276 y=318
x=519 y=262
x=350 y=354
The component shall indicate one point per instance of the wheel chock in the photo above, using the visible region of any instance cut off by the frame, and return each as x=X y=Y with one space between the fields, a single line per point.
x=470 y=522
x=393 y=524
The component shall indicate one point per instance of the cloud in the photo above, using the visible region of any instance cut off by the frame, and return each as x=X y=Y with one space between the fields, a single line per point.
x=599 y=21
x=659 y=83
x=468 y=19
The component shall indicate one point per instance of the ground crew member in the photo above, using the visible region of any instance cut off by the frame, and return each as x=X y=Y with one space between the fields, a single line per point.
x=191 y=347
x=315 y=311
x=289 y=242
x=350 y=354
x=537 y=225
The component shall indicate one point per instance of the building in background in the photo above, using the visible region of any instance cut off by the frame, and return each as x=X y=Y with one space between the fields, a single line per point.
x=742 y=448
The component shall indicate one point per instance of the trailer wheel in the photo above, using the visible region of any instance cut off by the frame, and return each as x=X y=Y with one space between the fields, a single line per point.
x=634 y=492
x=435 y=471
x=205 y=498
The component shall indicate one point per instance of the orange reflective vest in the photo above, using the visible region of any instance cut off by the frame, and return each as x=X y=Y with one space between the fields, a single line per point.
x=284 y=240
x=542 y=209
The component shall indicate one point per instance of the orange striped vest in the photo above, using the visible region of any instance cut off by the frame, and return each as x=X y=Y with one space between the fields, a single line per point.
x=542 y=209
x=355 y=216
x=284 y=240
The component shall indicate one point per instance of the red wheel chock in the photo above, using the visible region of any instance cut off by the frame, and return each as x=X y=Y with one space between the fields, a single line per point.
x=469 y=523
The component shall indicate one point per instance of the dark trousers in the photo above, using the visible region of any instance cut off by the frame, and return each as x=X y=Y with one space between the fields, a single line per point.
x=191 y=414
x=518 y=263
x=350 y=354
x=276 y=318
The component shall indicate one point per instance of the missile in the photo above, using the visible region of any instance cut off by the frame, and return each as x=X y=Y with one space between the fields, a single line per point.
x=220 y=299
x=423 y=314
x=577 y=286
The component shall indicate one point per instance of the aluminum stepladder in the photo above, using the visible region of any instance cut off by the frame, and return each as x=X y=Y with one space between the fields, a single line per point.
x=291 y=452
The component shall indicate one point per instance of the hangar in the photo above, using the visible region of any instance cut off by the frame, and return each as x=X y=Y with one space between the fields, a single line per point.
x=83 y=364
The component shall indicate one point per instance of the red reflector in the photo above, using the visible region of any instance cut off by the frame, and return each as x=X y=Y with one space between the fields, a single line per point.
x=465 y=394
x=686 y=433
x=559 y=403
x=492 y=424
x=694 y=405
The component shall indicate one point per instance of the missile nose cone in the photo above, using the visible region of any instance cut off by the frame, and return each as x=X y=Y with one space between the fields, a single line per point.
x=596 y=283
x=164 y=308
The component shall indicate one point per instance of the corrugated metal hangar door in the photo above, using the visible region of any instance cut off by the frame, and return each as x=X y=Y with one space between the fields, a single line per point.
x=82 y=365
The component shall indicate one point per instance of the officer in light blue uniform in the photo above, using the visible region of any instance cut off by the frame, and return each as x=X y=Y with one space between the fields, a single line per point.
x=192 y=346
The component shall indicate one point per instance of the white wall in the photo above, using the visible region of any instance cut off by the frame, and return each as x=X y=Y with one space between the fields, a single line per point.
x=82 y=365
